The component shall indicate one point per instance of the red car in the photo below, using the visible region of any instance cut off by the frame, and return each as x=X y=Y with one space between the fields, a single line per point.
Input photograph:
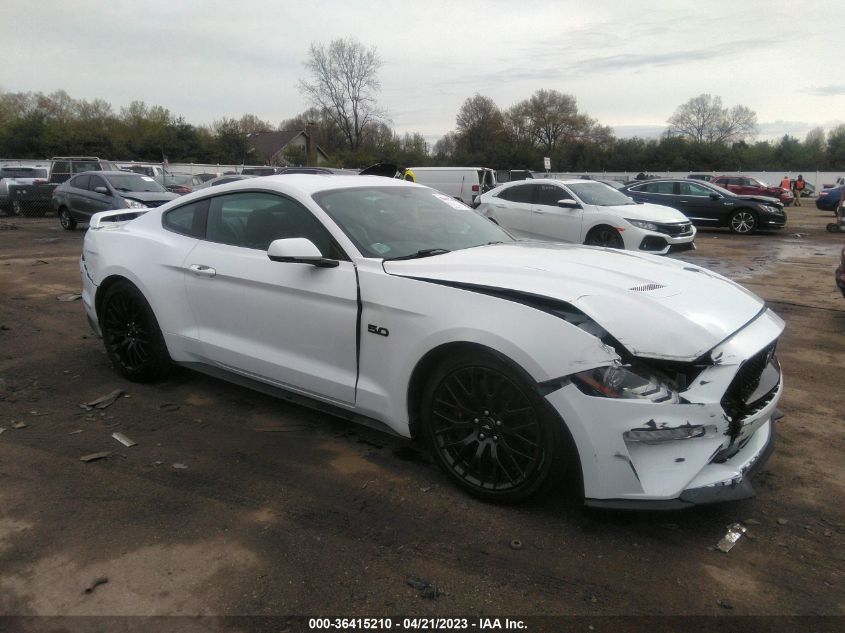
x=748 y=186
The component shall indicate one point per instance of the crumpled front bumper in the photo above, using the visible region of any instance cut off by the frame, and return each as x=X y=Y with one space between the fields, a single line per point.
x=641 y=454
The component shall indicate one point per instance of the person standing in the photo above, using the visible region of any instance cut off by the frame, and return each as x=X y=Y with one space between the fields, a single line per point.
x=786 y=183
x=798 y=190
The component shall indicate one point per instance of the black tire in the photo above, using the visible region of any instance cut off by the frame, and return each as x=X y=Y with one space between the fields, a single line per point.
x=743 y=222
x=132 y=336
x=606 y=236
x=490 y=430
x=66 y=219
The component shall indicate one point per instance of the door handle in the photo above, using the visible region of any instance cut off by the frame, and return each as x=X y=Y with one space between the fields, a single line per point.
x=684 y=201
x=540 y=211
x=202 y=271
x=499 y=206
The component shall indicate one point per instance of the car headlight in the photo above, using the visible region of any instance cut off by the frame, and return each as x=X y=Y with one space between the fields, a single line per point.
x=134 y=204
x=629 y=382
x=642 y=224
x=772 y=209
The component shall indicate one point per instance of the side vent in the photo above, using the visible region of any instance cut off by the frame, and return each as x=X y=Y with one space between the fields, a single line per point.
x=647 y=287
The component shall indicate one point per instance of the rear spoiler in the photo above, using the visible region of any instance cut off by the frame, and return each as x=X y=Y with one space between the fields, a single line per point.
x=110 y=218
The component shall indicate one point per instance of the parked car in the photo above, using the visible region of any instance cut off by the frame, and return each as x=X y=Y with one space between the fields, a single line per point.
x=707 y=204
x=179 y=183
x=588 y=212
x=840 y=273
x=30 y=178
x=63 y=167
x=704 y=177
x=154 y=171
x=314 y=170
x=462 y=183
x=222 y=180
x=206 y=177
x=748 y=186
x=77 y=199
x=258 y=171
x=654 y=381
x=829 y=198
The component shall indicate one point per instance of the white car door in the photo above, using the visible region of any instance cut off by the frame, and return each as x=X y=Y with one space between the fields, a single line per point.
x=293 y=325
x=553 y=222
x=512 y=209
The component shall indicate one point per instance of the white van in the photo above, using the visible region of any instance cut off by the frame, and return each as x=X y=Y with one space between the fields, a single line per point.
x=463 y=183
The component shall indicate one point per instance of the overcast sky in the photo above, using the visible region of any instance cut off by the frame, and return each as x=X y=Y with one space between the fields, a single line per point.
x=629 y=64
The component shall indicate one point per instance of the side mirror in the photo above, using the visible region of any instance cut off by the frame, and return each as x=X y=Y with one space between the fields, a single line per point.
x=568 y=203
x=298 y=250
x=102 y=190
x=715 y=196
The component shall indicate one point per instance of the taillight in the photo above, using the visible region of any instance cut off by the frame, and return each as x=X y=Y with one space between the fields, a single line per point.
x=475 y=188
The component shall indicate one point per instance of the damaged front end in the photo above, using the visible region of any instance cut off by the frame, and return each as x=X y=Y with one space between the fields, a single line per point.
x=667 y=434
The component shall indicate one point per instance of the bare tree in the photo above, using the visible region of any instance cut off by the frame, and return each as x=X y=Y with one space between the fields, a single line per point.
x=344 y=82
x=703 y=119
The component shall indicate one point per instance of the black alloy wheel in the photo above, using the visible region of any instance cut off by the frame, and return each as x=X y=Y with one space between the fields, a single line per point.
x=66 y=220
x=605 y=236
x=489 y=430
x=743 y=221
x=132 y=336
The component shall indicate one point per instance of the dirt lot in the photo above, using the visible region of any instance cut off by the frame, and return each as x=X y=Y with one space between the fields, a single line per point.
x=275 y=509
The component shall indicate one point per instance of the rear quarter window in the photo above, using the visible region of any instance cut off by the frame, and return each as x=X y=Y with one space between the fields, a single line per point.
x=189 y=219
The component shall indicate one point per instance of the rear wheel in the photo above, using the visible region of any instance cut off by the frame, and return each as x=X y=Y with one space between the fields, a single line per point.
x=132 y=336
x=743 y=221
x=66 y=220
x=490 y=430
x=605 y=236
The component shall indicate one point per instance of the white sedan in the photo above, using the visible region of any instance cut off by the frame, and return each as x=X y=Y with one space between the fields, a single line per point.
x=652 y=381
x=586 y=212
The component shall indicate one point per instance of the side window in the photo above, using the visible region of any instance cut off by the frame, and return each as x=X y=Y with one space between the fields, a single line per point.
x=80 y=166
x=254 y=219
x=189 y=219
x=505 y=193
x=80 y=182
x=61 y=167
x=550 y=194
x=660 y=187
x=521 y=193
x=96 y=181
x=692 y=189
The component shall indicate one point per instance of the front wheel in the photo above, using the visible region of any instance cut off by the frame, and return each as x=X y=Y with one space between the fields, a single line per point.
x=66 y=220
x=605 y=236
x=743 y=221
x=489 y=429
x=132 y=336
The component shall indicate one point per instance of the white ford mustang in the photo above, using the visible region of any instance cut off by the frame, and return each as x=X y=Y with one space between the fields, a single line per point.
x=654 y=380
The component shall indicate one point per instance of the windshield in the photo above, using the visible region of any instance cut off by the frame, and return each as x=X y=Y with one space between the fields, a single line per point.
x=393 y=222
x=721 y=190
x=178 y=179
x=599 y=194
x=134 y=182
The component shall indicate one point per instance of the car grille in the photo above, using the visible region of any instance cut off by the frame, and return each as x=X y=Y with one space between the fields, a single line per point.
x=676 y=230
x=744 y=396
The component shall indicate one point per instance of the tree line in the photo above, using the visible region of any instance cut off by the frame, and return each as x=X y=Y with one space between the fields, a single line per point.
x=350 y=125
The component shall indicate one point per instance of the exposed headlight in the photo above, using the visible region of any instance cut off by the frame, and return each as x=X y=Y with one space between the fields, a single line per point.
x=134 y=204
x=772 y=209
x=642 y=224
x=616 y=381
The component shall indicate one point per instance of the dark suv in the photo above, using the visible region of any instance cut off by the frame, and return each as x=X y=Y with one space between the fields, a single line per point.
x=63 y=167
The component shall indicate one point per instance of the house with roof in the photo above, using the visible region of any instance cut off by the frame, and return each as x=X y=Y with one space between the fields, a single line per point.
x=285 y=148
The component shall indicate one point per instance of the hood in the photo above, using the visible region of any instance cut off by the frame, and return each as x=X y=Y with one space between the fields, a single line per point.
x=148 y=196
x=648 y=211
x=656 y=307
